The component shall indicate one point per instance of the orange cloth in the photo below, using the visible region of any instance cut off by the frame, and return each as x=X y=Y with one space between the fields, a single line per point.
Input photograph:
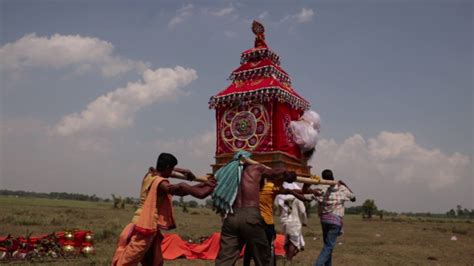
x=146 y=184
x=157 y=211
x=208 y=249
x=174 y=247
x=123 y=240
x=141 y=241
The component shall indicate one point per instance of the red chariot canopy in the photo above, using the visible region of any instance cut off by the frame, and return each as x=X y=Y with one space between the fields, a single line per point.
x=258 y=90
x=259 y=79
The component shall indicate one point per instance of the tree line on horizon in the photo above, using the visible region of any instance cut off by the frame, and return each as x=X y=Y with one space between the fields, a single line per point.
x=367 y=209
x=52 y=195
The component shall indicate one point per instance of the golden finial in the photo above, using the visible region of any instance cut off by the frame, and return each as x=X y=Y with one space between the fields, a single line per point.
x=259 y=31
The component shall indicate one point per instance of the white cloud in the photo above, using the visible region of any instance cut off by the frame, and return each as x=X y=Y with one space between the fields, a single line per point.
x=222 y=12
x=230 y=34
x=263 y=15
x=394 y=158
x=195 y=153
x=95 y=144
x=181 y=15
x=59 y=51
x=197 y=146
x=117 y=109
x=306 y=15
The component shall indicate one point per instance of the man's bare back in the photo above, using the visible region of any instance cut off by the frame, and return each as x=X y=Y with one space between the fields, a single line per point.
x=251 y=183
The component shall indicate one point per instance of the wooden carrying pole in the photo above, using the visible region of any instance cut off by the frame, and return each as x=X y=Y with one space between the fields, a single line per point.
x=179 y=175
x=315 y=180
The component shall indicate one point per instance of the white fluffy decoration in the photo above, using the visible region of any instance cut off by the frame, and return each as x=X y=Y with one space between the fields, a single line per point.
x=306 y=130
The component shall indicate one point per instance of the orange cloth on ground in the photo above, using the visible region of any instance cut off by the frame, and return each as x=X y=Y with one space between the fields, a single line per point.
x=267 y=197
x=208 y=249
x=174 y=247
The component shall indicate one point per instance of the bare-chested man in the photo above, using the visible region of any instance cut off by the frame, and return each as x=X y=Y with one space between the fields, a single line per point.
x=245 y=225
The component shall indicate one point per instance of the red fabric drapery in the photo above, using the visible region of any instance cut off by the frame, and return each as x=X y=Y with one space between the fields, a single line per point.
x=174 y=247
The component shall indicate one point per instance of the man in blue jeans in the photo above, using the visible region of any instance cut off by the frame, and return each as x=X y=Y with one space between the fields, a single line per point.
x=331 y=207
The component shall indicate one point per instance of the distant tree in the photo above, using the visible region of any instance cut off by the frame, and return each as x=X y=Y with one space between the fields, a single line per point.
x=466 y=212
x=369 y=208
x=129 y=200
x=451 y=213
x=192 y=204
x=208 y=203
x=459 y=211
x=51 y=195
x=354 y=210
x=175 y=203
x=94 y=198
x=183 y=204
x=115 y=200
x=118 y=202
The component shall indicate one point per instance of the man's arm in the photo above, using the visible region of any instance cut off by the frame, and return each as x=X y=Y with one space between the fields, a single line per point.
x=199 y=191
x=302 y=213
x=186 y=172
x=278 y=174
x=317 y=194
x=348 y=192
x=295 y=192
x=308 y=190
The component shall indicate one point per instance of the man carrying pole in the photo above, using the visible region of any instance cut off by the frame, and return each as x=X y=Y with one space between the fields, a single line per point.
x=331 y=208
x=268 y=193
x=236 y=197
x=140 y=241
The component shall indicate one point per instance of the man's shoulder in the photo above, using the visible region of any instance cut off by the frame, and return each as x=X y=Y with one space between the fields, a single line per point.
x=161 y=181
x=253 y=170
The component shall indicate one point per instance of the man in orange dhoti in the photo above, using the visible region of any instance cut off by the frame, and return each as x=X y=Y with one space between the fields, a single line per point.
x=140 y=241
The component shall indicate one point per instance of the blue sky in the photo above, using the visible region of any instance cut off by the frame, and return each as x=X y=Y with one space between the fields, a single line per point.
x=92 y=92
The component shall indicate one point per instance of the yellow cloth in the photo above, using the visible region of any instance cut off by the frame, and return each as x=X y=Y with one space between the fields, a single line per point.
x=146 y=183
x=267 y=197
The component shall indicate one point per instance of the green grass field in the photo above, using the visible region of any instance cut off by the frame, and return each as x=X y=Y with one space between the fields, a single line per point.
x=392 y=241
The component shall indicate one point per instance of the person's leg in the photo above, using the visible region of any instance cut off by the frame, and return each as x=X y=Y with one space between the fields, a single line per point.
x=330 y=233
x=247 y=256
x=271 y=235
x=136 y=249
x=333 y=233
x=291 y=251
x=122 y=242
x=154 y=256
x=158 y=260
x=253 y=231
x=230 y=243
